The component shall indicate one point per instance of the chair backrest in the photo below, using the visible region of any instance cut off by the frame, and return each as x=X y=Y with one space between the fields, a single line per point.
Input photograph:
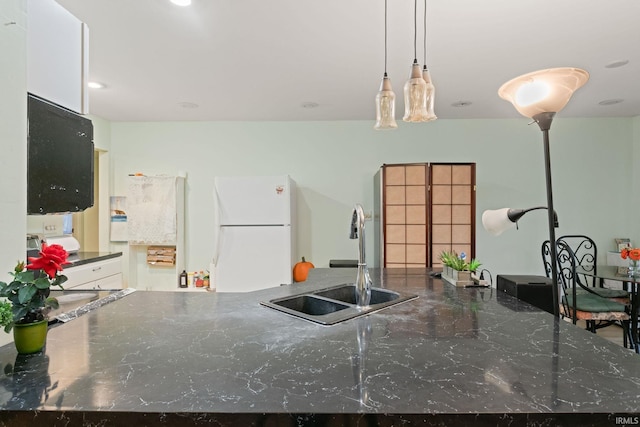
x=585 y=252
x=546 y=258
x=566 y=272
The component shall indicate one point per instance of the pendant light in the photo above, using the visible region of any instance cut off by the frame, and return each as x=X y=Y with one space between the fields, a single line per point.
x=415 y=89
x=385 y=99
x=431 y=90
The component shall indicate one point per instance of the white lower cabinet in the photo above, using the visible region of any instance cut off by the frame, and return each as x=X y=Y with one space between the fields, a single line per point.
x=106 y=274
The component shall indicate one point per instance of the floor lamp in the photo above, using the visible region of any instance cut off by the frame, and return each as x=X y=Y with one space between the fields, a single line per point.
x=540 y=95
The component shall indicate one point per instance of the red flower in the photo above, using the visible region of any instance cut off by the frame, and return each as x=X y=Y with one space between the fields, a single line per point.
x=51 y=260
x=631 y=253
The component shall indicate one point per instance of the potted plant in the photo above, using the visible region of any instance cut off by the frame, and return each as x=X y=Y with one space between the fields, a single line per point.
x=28 y=294
x=456 y=268
x=6 y=314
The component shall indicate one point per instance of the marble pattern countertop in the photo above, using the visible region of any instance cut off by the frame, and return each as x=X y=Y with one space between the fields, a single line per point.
x=454 y=356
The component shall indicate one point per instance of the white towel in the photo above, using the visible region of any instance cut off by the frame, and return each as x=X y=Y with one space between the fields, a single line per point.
x=151 y=210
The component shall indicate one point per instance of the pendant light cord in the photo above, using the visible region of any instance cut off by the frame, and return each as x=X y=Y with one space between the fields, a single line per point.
x=385 y=38
x=425 y=34
x=415 y=30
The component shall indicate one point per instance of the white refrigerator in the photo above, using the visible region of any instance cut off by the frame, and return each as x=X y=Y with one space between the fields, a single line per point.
x=254 y=238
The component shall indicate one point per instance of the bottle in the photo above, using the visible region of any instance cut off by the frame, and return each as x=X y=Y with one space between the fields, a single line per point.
x=182 y=282
x=190 y=279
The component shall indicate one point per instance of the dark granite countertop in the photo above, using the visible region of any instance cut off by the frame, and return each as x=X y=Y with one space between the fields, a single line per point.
x=80 y=258
x=454 y=356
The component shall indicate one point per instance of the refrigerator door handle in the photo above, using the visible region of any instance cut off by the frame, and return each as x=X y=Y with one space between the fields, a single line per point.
x=216 y=225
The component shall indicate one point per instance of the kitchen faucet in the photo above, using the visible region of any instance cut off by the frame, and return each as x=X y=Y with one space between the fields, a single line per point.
x=363 y=281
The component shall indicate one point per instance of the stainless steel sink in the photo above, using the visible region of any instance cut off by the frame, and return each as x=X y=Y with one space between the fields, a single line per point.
x=310 y=305
x=336 y=304
x=347 y=293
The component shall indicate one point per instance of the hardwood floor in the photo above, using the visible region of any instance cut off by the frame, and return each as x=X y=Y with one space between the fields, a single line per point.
x=612 y=333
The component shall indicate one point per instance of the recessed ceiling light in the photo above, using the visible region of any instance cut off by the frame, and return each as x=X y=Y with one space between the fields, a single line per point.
x=181 y=2
x=309 y=105
x=611 y=101
x=188 y=104
x=95 y=85
x=461 y=104
x=616 y=64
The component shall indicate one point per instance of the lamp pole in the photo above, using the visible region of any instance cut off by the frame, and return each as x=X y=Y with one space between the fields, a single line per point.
x=544 y=122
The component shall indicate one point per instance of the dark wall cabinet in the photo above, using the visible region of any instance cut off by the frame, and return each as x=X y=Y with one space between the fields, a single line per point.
x=422 y=209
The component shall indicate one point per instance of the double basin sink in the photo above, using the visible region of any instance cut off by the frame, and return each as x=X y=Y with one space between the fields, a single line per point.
x=335 y=304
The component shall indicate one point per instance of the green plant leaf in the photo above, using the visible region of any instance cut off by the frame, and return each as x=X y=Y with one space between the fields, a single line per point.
x=26 y=293
x=42 y=283
x=24 y=276
x=474 y=265
x=19 y=312
x=52 y=302
x=6 y=313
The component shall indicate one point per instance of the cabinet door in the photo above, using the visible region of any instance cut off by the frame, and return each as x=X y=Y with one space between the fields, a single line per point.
x=88 y=273
x=57 y=55
x=110 y=282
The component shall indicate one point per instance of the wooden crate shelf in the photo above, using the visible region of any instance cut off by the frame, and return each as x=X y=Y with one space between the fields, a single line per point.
x=161 y=255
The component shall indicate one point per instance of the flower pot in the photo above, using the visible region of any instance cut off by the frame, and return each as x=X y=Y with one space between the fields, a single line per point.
x=31 y=337
x=448 y=271
x=455 y=277
x=462 y=275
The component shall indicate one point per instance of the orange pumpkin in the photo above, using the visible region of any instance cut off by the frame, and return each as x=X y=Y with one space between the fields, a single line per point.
x=301 y=270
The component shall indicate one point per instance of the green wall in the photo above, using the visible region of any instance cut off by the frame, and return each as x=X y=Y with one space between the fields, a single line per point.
x=334 y=164
x=13 y=134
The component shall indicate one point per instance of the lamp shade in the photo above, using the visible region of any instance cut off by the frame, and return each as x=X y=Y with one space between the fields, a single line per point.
x=497 y=221
x=385 y=106
x=544 y=91
x=415 y=96
x=431 y=94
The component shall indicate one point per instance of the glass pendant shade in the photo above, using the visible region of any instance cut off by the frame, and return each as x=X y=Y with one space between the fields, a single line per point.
x=544 y=91
x=415 y=96
x=385 y=106
x=431 y=94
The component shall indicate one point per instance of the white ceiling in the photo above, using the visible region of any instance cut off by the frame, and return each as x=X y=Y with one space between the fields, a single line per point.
x=260 y=60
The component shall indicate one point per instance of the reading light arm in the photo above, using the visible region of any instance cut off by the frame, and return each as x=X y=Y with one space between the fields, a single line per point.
x=515 y=214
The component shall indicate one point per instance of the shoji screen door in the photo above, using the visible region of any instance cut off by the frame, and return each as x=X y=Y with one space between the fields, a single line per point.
x=426 y=208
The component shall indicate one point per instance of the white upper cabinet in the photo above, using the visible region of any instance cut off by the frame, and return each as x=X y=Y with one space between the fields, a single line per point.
x=57 y=55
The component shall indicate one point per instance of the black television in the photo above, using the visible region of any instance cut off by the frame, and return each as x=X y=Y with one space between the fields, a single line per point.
x=59 y=159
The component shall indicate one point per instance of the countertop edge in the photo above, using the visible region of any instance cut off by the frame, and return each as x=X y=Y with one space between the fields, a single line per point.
x=83 y=417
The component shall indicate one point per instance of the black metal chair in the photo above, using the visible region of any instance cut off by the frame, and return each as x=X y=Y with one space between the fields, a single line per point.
x=597 y=312
x=547 y=258
x=585 y=252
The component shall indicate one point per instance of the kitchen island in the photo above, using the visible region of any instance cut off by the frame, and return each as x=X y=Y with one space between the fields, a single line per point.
x=453 y=356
